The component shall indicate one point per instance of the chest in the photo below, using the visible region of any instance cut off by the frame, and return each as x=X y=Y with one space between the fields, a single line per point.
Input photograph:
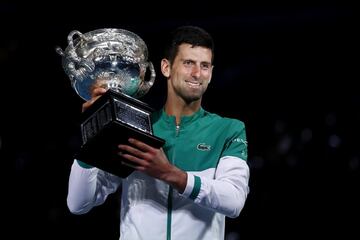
x=194 y=147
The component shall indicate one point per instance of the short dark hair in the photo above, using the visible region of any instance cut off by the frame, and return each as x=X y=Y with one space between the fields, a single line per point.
x=193 y=35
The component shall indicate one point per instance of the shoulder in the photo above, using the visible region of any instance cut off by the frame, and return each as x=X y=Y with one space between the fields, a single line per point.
x=224 y=121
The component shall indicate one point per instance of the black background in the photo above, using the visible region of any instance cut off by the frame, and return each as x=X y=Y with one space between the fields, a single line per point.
x=286 y=69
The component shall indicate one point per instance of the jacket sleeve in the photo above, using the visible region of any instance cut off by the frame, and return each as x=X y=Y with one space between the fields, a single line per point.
x=89 y=187
x=226 y=193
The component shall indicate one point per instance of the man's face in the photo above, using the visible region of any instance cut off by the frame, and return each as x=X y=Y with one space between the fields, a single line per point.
x=190 y=73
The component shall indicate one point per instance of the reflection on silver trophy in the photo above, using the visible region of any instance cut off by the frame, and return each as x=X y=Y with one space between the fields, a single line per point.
x=111 y=58
x=117 y=60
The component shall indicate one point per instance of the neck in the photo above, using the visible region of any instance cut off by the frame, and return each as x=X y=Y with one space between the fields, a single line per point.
x=178 y=107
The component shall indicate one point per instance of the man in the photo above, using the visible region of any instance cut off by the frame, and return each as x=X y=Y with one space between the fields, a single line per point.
x=185 y=189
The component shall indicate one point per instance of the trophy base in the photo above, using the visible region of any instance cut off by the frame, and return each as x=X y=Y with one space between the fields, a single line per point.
x=112 y=120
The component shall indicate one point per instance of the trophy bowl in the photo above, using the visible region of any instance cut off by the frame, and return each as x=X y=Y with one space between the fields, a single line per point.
x=110 y=58
x=117 y=60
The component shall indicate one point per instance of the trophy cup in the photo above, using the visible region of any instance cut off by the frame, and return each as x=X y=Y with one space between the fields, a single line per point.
x=114 y=59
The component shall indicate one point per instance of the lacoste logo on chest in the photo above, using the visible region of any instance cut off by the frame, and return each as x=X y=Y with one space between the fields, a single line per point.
x=203 y=147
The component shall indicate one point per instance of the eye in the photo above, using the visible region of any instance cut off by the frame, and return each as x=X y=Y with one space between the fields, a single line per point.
x=188 y=63
x=205 y=66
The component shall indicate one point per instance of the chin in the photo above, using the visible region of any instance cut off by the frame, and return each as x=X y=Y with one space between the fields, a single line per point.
x=190 y=99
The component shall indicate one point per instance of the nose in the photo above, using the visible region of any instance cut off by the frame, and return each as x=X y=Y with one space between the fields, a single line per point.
x=195 y=71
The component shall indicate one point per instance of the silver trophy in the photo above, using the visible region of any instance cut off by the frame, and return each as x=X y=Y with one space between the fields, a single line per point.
x=117 y=60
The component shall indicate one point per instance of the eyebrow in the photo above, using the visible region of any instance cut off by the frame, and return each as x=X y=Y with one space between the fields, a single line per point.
x=192 y=60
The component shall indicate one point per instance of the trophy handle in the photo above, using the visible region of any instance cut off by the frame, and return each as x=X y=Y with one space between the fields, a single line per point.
x=146 y=84
x=70 y=37
x=59 y=51
x=151 y=80
x=70 y=42
x=77 y=66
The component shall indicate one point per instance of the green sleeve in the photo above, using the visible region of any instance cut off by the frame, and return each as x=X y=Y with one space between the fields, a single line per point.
x=84 y=165
x=236 y=144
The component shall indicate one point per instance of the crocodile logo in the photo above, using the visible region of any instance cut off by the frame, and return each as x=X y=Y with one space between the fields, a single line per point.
x=203 y=147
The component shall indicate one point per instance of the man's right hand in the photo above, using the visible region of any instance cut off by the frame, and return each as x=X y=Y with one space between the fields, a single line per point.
x=95 y=94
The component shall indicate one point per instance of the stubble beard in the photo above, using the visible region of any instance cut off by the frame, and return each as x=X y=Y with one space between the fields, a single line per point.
x=190 y=96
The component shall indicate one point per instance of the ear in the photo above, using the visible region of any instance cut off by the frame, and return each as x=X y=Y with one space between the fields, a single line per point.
x=165 y=67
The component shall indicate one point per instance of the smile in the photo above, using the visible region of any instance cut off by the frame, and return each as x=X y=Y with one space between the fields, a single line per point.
x=193 y=84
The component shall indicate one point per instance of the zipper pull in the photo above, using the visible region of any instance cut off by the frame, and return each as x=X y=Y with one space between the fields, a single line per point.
x=177 y=130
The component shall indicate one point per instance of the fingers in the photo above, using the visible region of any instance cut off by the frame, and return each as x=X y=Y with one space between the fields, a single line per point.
x=137 y=153
x=87 y=104
x=95 y=94
x=133 y=151
x=137 y=167
x=140 y=145
x=136 y=162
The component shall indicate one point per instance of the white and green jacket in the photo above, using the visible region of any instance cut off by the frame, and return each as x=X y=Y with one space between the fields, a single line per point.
x=213 y=152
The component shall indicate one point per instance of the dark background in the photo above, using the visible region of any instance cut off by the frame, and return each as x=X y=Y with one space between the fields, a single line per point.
x=286 y=69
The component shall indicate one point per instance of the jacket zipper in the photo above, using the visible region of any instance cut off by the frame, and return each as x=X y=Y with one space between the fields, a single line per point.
x=177 y=130
x=168 y=235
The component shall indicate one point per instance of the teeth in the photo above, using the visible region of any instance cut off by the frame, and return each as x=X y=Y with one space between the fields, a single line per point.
x=193 y=83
